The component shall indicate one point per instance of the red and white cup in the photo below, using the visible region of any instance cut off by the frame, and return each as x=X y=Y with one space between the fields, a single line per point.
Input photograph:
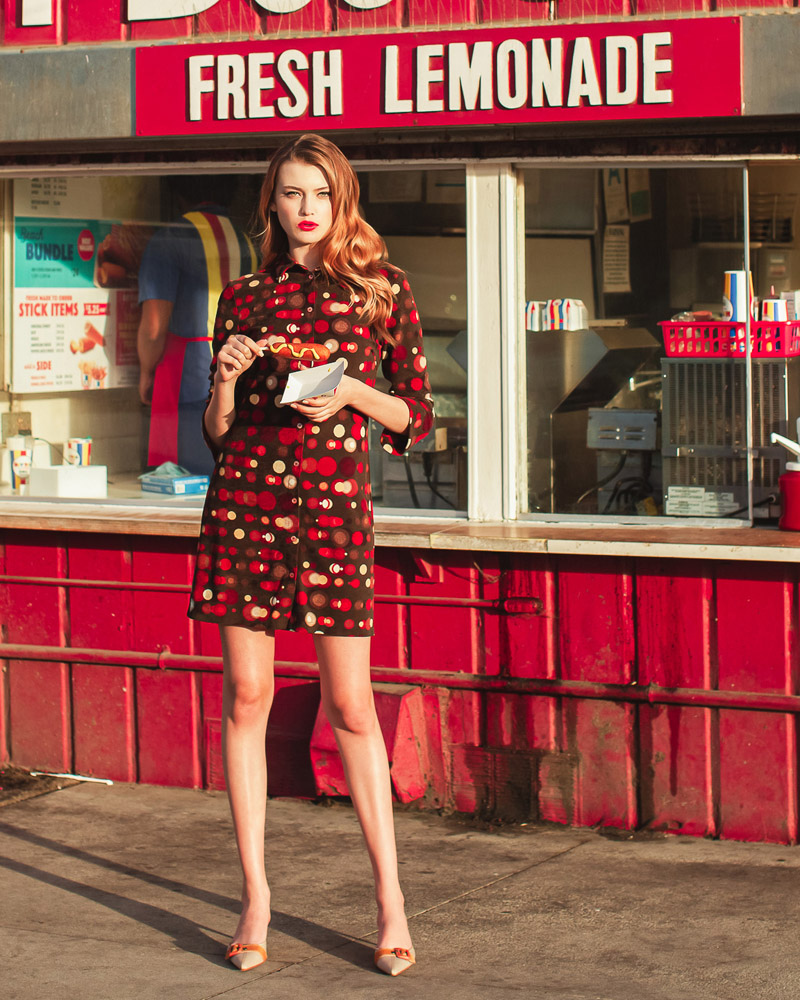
x=775 y=310
x=78 y=451
x=20 y=460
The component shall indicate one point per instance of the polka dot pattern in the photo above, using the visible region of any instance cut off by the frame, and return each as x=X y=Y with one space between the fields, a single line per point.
x=287 y=532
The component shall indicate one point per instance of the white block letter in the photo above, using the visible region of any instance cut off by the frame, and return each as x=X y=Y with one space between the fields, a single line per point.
x=287 y=61
x=621 y=88
x=469 y=79
x=158 y=10
x=583 y=80
x=393 y=105
x=282 y=6
x=36 y=12
x=547 y=73
x=512 y=74
x=256 y=84
x=652 y=66
x=230 y=86
x=197 y=85
x=330 y=81
x=426 y=75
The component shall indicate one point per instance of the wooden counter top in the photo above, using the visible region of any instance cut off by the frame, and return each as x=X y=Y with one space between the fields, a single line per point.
x=664 y=541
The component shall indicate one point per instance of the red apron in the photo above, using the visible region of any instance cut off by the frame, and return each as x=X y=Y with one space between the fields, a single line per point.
x=163 y=441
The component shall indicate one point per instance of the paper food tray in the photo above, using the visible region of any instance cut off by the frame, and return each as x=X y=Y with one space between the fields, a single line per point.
x=318 y=381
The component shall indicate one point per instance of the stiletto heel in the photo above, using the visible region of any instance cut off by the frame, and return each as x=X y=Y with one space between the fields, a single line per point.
x=246 y=956
x=393 y=961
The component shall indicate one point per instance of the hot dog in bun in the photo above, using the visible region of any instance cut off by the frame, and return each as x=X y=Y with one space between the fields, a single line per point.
x=301 y=352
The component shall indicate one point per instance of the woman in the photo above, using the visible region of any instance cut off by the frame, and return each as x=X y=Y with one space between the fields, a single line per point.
x=287 y=536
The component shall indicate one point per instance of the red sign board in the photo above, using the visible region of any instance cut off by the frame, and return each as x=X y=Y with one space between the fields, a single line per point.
x=512 y=75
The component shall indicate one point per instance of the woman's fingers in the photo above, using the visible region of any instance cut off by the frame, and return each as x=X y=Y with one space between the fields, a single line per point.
x=239 y=352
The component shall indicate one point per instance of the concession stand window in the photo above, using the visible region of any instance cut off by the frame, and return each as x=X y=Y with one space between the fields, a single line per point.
x=71 y=257
x=637 y=401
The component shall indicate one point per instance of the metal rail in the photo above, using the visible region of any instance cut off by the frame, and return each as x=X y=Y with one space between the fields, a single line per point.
x=507 y=605
x=649 y=694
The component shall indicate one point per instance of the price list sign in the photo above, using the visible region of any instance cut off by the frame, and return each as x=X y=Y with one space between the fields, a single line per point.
x=66 y=334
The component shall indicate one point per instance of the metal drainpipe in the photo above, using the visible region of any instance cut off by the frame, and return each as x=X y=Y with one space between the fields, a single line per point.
x=650 y=694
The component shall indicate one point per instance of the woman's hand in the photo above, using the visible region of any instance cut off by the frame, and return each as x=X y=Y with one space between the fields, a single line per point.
x=348 y=392
x=236 y=355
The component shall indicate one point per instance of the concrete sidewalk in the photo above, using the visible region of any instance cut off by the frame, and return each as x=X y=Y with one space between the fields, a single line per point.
x=110 y=893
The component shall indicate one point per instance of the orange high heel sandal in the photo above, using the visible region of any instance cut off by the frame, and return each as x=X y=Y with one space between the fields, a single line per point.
x=246 y=956
x=393 y=961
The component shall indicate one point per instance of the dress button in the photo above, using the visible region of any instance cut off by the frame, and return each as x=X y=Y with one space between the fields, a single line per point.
x=299 y=426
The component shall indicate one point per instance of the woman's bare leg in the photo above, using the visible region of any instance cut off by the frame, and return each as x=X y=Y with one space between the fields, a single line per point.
x=350 y=708
x=247 y=692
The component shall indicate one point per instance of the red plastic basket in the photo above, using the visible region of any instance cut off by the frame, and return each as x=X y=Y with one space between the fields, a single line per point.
x=727 y=340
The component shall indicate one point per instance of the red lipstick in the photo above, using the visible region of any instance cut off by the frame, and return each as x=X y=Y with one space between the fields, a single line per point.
x=307 y=226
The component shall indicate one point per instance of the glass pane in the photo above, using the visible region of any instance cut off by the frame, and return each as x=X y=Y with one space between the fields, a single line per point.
x=421 y=214
x=774 y=202
x=635 y=387
x=87 y=249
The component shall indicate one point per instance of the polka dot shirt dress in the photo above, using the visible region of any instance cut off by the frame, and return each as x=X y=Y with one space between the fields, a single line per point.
x=287 y=533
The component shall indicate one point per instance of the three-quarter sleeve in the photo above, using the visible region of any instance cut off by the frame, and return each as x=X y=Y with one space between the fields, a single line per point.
x=225 y=323
x=405 y=367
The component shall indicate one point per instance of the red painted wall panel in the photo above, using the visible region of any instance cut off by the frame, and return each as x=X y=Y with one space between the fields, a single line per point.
x=228 y=20
x=595 y=610
x=679 y=750
x=758 y=777
x=390 y=644
x=658 y=8
x=756 y=628
x=591 y=10
x=159 y=618
x=347 y=18
x=530 y=641
x=39 y=722
x=673 y=623
x=96 y=22
x=513 y=10
x=104 y=730
x=438 y=12
x=445 y=638
x=675 y=641
x=175 y=27
x=168 y=726
x=99 y=618
x=28 y=616
x=602 y=736
x=316 y=17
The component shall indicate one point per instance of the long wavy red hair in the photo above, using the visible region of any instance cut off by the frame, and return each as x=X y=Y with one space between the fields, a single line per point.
x=353 y=254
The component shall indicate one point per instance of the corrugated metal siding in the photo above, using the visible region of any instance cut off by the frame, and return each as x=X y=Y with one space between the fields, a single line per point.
x=593 y=704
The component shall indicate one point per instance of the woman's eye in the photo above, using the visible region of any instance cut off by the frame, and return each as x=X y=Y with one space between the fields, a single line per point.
x=324 y=194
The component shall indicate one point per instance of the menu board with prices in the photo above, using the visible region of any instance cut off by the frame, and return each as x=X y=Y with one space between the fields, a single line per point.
x=75 y=297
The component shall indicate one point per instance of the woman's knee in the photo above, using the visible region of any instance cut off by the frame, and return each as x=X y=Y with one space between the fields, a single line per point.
x=352 y=714
x=248 y=697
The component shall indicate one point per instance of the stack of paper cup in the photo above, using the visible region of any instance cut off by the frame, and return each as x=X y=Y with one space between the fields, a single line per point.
x=738 y=296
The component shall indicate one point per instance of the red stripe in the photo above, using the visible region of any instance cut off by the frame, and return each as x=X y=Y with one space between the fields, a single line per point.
x=222 y=247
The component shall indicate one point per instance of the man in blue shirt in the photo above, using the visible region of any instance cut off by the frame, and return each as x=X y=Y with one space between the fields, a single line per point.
x=184 y=268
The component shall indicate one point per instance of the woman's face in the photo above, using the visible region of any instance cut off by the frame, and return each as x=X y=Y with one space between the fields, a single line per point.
x=302 y=202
